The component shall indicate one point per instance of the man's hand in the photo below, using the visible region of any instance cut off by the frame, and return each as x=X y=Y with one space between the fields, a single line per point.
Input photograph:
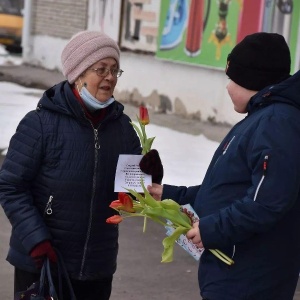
x=155 y=190
x=194 y=235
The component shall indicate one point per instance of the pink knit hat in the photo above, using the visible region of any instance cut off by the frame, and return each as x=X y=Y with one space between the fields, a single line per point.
x=84 y=49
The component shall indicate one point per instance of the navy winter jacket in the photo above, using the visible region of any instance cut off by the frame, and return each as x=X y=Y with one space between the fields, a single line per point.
x=249 y=202
x=57 y=182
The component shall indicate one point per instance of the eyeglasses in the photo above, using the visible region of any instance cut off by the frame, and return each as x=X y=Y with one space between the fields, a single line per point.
x=104 y=72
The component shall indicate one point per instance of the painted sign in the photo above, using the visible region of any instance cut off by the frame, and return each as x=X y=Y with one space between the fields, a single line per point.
x=140 y=24
x=105 y=15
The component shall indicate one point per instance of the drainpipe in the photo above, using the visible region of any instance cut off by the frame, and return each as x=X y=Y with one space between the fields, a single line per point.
x=26 y=36
x=297 y=54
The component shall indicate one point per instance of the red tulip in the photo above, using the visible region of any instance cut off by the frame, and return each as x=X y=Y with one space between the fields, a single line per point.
x=144 y=116
x=116 y=219
x=116 y=204
x=127 y=202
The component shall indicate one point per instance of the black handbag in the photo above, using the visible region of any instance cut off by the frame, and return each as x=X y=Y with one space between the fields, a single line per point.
x=44 y=289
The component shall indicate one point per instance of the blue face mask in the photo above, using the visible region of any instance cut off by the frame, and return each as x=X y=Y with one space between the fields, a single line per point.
x=91 y=102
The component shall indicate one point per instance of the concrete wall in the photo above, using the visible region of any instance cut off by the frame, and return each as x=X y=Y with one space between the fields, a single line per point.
x=190 y=91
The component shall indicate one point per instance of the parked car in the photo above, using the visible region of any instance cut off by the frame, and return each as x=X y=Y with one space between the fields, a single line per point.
x=11 y=24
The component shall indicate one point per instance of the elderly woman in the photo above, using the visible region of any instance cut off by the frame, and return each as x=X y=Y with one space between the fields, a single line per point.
x=57 y=180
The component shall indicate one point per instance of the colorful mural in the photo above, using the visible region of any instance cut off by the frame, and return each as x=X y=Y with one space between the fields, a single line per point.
x=203 y=32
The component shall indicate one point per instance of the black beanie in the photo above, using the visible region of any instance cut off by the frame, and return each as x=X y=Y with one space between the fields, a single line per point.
x=259 y=60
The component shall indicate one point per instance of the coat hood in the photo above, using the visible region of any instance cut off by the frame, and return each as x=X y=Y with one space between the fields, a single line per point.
x=286 y=91
x=61 y=99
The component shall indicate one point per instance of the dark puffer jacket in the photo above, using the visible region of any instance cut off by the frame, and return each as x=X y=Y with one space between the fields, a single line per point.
x=249 y=202
x=58 y=162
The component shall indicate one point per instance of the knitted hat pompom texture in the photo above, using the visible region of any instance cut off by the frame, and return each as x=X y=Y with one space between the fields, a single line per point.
x=84 y=49
x=259 y=60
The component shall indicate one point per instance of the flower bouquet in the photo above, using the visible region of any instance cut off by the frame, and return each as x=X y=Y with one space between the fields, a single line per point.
x=166 y=212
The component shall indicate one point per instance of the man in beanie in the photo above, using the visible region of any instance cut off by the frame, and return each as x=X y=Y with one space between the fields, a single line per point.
x=249 y=200
x=57 y=181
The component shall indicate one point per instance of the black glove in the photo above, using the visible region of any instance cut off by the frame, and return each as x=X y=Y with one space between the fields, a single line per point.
x=151 y=165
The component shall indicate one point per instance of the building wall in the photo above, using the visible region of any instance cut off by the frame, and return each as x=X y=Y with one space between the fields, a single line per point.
x=50 y=24
x=190 y=91
x=59 y=18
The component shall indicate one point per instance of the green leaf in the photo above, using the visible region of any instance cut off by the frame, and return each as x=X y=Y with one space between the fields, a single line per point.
x=149 y=200
x=223 y=257
x=174 y=216
x=145 y=224
x=143 y=130
x=138 y=132
x=170 y=204
x=149 y=142
x=168 y=243
x=137 y=196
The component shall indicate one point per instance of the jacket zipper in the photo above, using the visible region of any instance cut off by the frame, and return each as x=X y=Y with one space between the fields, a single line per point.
x=265 y=165
x=97 y=147
x=224 y=150
x=226 y=146
x=48 y=209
